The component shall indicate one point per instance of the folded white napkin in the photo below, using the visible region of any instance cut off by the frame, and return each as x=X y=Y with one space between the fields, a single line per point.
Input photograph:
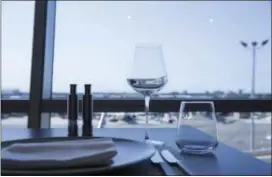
x=59 y=154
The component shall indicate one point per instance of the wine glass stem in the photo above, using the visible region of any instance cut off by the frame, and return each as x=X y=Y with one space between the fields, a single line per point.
x=147 y=100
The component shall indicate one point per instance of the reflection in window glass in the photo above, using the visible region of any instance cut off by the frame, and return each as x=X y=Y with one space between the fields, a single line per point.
x=201 y=44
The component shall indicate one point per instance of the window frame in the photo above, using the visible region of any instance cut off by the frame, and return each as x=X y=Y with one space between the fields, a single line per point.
x=137 y=105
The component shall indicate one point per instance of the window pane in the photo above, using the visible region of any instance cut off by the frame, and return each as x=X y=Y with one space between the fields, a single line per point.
x=200 y=40
x=201 y=49
x=17 y=31
x=14 y=120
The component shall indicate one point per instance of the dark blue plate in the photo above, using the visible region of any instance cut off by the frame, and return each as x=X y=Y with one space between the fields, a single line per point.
x=129 y=153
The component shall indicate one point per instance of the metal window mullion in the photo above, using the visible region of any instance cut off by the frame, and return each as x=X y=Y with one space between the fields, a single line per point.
x=42 y=63
x=49 y=59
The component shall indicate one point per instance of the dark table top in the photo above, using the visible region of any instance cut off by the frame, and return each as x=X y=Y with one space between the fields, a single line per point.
x=227 y=160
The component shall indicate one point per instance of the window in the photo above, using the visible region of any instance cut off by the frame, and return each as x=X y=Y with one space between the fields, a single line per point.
x=17 y=32
x=201 y=44
x=201 y=48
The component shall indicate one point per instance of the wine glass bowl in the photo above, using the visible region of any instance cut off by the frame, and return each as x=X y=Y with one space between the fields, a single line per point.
x=147 y=86
x=148 y=73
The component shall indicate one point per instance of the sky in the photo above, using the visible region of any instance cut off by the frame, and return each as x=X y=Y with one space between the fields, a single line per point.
x=95 y=43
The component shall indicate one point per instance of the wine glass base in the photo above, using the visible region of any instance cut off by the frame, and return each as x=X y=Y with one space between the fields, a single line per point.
x=154 y=142
x=197 y=152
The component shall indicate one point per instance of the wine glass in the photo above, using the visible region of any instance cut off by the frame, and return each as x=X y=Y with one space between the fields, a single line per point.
x=197 y=130
x=148 y=74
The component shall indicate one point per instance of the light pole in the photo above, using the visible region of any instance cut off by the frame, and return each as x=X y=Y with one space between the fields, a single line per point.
x=254 y=46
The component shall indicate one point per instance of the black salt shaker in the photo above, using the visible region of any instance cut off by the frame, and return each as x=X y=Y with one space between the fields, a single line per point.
x=72 y=111
x=87 y=111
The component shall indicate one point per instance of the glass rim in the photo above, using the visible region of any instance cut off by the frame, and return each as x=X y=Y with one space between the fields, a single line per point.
x=183 y=104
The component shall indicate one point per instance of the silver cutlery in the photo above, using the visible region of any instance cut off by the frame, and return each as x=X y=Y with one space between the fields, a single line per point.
x=171 y=159
x=157 y=159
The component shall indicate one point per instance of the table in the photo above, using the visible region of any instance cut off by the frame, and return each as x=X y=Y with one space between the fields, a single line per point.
x=227 y=160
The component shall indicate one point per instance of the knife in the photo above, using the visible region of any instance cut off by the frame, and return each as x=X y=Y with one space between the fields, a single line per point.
x=157 y=159
x=170 y=158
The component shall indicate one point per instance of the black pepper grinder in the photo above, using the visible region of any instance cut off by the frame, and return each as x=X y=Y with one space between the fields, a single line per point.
x=72 y=111
x=87 y=111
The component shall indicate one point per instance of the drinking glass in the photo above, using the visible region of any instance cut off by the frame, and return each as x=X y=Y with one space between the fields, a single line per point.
x=197 y=128
x=148 y=74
